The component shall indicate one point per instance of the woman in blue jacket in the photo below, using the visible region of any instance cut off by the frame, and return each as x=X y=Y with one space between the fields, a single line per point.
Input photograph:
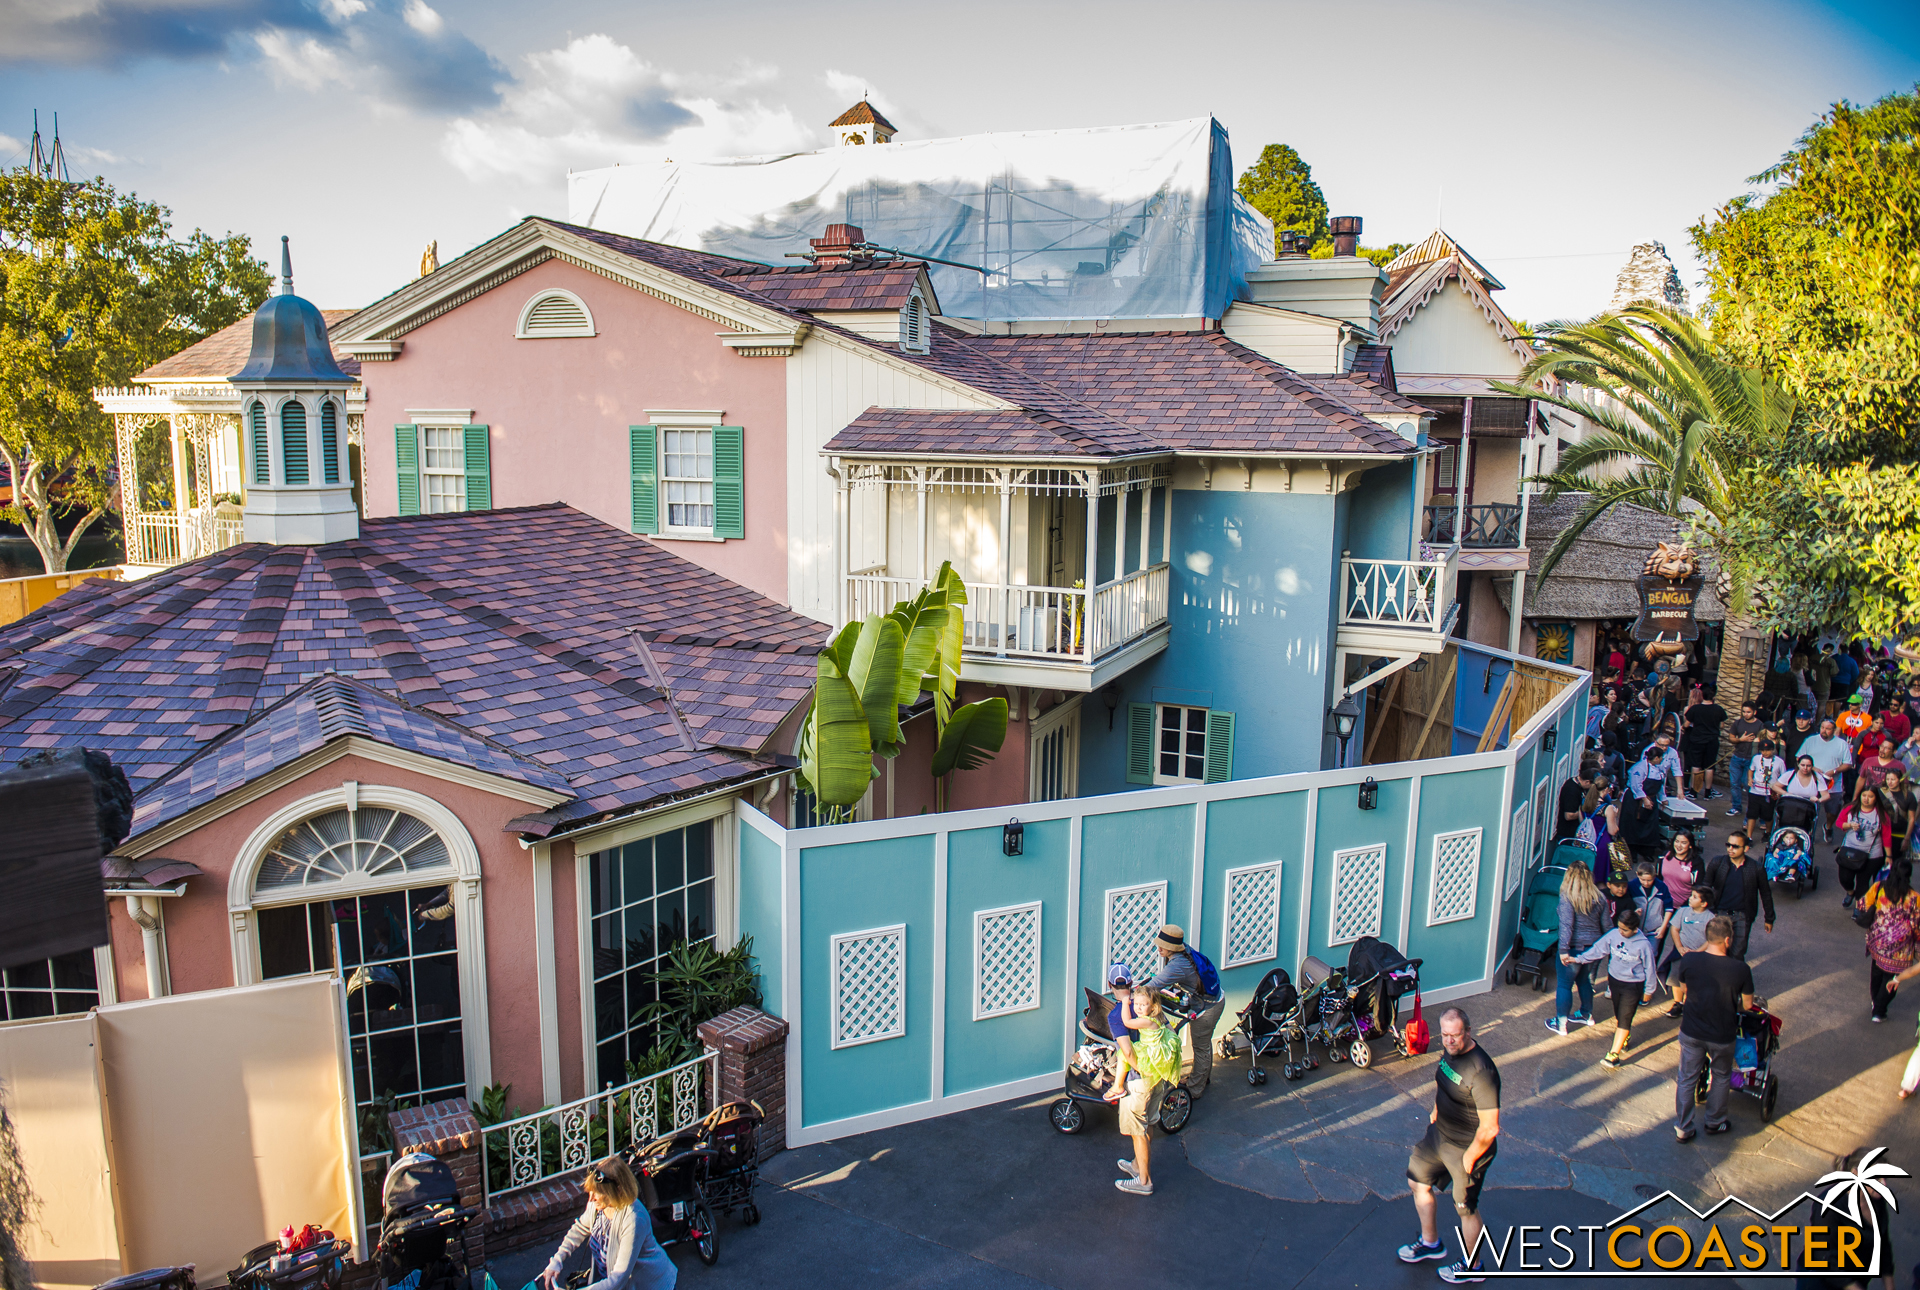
x=1630 y=975
x=1583 y=920
x=618 y=1232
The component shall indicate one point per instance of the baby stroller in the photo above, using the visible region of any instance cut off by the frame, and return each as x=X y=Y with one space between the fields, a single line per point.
x=1377 y=976
x=1536 y=946
x=1794 y=815
x=732 y=1131
x=1090 y=1075
x=421 y=1218
x=670 y=1169
x=1274 y=1019
x=1790 y=861
x=175 y=1278
x=1754 y=1049
x=1328 y=1006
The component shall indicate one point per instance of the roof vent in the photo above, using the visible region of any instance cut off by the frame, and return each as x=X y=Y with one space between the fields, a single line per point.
x=1346 y=234
x=554 y=313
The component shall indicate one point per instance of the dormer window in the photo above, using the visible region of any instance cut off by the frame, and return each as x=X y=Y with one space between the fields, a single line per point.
x=916 y=325
x=554 y=313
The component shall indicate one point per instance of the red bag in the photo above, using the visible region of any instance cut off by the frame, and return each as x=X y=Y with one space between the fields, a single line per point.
x=1417 y=1037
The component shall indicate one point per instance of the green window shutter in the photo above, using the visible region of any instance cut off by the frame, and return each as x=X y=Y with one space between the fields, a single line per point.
x=257 y=437
x=479 y=470
x=1219 y=747
x=293 y=441
x=729 y=482
x=329 y=443
x=1139 y=743
x=642 y=445
x=406 y=467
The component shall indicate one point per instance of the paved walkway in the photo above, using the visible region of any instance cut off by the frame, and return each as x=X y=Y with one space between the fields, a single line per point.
x=1303 y=1184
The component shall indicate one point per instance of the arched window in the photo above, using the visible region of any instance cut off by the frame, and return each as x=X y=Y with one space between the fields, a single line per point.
x=554 y=313
x=382 y=885
x=257 y=444
x=293 y=441
x=329 y=443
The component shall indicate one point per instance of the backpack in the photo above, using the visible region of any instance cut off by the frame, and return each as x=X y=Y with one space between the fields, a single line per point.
x=1209 y=974
x=1891 y=938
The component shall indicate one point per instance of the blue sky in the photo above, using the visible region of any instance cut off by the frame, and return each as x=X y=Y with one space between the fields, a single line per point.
x=1552 y=137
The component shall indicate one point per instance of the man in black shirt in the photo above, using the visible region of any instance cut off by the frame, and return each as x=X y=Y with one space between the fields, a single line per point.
x=1714 y=988
x=1740 y=888
x=1573 y=796
x=1700 y=741
x=1462 y=1137
x=1740 y=760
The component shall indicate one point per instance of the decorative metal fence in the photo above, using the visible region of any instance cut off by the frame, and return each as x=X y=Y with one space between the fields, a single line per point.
x=527 y=1151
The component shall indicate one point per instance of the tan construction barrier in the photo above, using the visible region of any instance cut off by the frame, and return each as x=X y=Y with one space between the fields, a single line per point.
x=216 y=1119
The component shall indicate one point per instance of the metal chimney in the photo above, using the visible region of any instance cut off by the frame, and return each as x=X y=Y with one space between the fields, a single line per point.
x=1346 y=234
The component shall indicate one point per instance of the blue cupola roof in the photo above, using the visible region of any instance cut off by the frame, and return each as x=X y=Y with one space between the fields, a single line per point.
x=290 y=344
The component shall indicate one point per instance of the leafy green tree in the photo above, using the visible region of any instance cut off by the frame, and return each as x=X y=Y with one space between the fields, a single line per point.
x=1680 y=420
x=1818 y=281
x=1280 y=186
x=93 y=289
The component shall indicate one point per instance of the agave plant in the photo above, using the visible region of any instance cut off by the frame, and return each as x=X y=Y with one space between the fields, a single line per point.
x=1678 y=422
x=873 y=669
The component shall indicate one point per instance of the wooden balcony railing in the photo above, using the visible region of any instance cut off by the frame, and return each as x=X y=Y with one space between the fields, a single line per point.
x=1397 y=593
x=1489 y=525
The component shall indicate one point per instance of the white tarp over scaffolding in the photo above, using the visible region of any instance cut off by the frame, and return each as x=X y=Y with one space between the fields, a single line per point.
x=1124 y=222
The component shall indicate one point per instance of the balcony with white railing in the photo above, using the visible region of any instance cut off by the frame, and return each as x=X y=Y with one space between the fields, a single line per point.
x=1397 y=602
x=161 y=538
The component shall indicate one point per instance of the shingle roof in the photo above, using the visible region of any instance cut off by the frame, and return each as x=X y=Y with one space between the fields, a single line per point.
x=1375 y=362
x=499 y=638
x=1364 y=396
x=872 y=284
x=1014 y=432
x=220 y=355
x=861 y=113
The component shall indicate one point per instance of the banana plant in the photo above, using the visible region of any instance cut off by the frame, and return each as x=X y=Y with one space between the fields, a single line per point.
x=873 y=669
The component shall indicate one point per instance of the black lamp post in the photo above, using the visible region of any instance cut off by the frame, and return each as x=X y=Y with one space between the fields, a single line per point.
x=1343 y=717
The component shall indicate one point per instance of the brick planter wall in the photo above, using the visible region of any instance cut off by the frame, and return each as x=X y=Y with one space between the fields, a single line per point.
x=537 y=1216
x=449 y=1131
x=753 y=1068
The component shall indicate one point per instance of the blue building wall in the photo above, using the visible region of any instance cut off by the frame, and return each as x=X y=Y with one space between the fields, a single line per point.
x=1251 y=610
x=1381 y=526
x=760 y=912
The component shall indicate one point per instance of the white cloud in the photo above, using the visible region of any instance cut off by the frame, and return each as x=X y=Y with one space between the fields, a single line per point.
x=302 y=60
x=341 y=10
x=596 y=102
x=421 y=17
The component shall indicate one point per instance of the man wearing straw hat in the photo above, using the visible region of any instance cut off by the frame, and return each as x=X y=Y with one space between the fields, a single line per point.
x=1177 y=968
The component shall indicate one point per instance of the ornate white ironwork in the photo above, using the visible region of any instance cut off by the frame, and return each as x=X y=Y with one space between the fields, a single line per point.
x=869 y=985
x=1359 y=893
x=523 y=1149
x=576 y=1138
x=643 y=1119
x=1516 y=848
x=1453 y=891
x=686 y=1096
x=1253 y=915
x=1006 y=960
x=1134 y=916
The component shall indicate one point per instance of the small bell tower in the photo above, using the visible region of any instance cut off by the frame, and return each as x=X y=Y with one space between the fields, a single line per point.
x=293 y=423
x=861 y=124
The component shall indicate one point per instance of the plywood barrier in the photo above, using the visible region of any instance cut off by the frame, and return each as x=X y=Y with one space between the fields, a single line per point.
x=21 y=596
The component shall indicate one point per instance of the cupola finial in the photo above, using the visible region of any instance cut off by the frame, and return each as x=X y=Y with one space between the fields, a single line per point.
x=286 y=267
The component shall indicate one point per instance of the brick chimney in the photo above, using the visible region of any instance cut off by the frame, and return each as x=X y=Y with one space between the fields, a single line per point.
x=836 y=249
x=1346 y=234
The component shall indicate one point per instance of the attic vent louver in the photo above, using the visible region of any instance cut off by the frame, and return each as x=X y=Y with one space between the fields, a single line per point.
x=555 y=313
x=916 y=326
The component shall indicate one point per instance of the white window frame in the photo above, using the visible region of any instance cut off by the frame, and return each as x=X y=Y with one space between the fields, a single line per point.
x=980 y=917
x=895 y=931
x=1434 y=917
x=469 y=917
x=667 y=421
x=459 y=428
x=522 y=329
x=1340 y=860
x=1060 y=715
x=1271 y=936
x=1185 y=708
x=1106 y=918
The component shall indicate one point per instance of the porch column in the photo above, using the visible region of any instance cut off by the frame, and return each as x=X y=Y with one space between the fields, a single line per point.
x=1513 y=617
x=1166 y=527
x=1009 y=617
x=920 y=495
x=1120 y=509
x=1460 y=474
x=1526 y=489
x=1090 y=485
x=1146 y=527
x=843 y=588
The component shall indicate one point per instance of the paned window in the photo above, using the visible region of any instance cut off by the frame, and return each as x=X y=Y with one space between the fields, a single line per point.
x=443 y=468
x=1180 y=756
x=647 y=897
x=49 y=987
x=688 y=476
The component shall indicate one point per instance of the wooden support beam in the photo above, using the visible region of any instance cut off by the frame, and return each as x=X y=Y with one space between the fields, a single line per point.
x=1439 y=697
x=1502 y=710
x=1380 y=719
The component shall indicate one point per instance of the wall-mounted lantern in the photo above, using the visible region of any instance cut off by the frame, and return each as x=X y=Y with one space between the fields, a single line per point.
x=1010 y=838
x=1369 y=794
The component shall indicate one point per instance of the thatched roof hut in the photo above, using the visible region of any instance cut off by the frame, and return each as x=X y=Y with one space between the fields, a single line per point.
x=1597 y=577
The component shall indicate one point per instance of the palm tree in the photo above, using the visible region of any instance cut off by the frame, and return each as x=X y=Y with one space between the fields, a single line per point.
x=1680 y=419
x=1855 y=1185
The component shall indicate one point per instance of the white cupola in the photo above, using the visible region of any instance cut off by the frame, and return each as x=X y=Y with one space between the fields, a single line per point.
x=293 y=425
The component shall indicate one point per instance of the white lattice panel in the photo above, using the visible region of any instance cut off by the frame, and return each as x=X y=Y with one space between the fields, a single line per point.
x=1542 y=819
x=1006 y=960
x=1359 y=893
x=1134 y=916
x=1454 y=892
x=1516 y=850
x=869 y=985
x=1253 y=915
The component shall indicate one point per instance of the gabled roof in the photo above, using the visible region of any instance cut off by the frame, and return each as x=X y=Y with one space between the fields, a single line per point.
x=219 y=356
x=499 y=639
x=1016 y=432
x=1414 y=286
x=1375 y=363
x=862 y=113
x=872 y=284
x=1437 y=246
